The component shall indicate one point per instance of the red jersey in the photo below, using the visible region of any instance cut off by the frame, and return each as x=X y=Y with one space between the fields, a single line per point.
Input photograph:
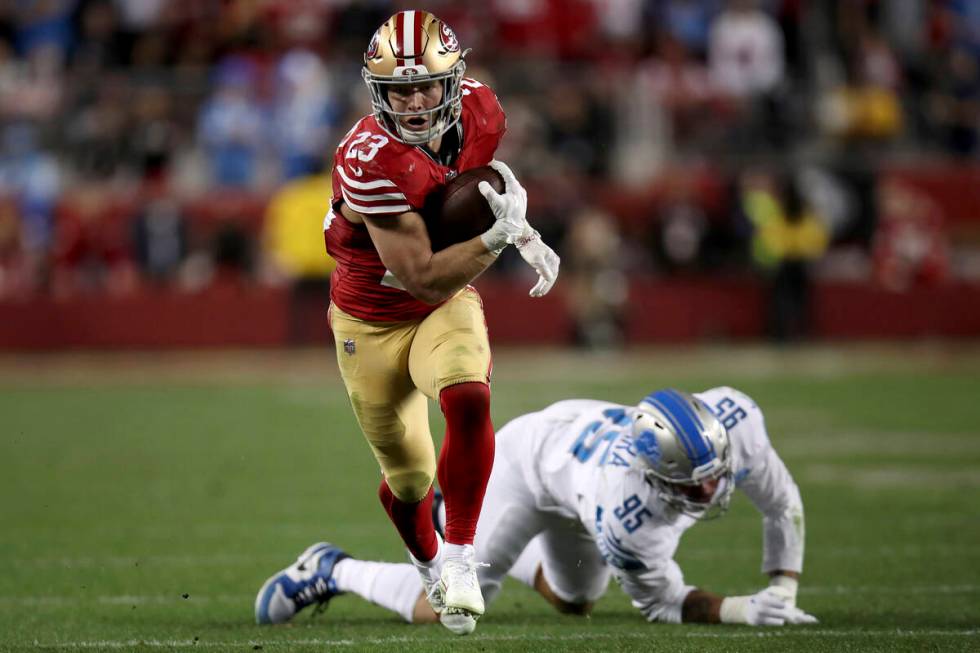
x=379 y=176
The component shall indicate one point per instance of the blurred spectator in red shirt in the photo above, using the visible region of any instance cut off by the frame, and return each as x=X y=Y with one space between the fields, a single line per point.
x=554 y=29
x=909 y=246
x=14 y=276
x=91 y=251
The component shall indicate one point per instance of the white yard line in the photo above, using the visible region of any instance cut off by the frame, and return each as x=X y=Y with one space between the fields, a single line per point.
x=201 y=599
x=697 y=634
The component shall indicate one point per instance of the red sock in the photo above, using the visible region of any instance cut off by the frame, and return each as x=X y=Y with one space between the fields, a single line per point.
x=413 y=521
x=466 y=458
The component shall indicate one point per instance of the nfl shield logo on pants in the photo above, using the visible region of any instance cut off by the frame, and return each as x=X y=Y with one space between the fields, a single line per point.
x=349 y=346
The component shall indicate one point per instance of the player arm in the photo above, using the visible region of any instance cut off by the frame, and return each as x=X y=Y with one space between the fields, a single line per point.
x=658 y=592
x=771 y=488
x=653 y=580
x=643 y=563
x=403 y=245
x=661 y=595
x=766 y=481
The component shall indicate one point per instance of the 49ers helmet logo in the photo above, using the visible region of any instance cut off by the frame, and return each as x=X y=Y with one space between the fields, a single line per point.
x=373 y=46
x=448 y=38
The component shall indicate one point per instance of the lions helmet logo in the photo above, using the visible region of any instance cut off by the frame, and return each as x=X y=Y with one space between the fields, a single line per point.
x=647 y=445
x=373 y=46
x=448 y=39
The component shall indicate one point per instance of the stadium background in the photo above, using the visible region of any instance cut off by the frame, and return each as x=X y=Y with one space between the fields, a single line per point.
x=752 y=169
x=801 y=221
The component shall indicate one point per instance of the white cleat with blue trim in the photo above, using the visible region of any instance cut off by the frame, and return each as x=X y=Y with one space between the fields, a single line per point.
x=307 y=581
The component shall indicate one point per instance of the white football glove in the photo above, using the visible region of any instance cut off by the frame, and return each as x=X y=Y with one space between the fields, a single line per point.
x=512 y=228
x=509 y=208
x=766 y=608
x=786 y=587
x=543 y=259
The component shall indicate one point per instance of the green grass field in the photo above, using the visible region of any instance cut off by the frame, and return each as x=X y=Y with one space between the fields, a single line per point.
x=144 y=499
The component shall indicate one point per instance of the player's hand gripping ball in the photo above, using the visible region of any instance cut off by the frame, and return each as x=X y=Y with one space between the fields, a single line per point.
x=458 y=212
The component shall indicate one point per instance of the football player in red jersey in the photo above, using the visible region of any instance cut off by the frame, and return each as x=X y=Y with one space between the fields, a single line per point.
x=406 y=323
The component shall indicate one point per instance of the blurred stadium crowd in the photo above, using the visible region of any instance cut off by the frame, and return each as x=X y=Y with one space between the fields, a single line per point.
x=181 y=143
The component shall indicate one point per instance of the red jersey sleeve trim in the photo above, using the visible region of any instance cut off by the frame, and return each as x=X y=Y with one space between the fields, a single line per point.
x=376 y=209
x=377 y=197
x=364 y=185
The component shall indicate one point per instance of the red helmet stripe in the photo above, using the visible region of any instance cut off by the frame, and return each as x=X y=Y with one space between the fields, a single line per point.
x=417 y=32
x=397 y=39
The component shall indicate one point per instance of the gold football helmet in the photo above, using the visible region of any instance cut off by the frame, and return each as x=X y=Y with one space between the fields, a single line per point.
x=414 y=47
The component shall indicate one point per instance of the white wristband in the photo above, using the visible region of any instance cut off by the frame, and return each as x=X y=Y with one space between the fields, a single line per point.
x=787 y=582
x=785 y=586
x=530 y=234
x=734 y=609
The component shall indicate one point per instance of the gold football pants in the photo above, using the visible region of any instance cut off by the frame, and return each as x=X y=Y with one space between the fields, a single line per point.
x=389 y=368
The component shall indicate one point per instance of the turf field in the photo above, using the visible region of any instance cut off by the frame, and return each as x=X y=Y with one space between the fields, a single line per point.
x=144 y=498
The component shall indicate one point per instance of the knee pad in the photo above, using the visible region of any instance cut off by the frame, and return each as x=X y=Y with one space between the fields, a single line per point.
x=409 y=486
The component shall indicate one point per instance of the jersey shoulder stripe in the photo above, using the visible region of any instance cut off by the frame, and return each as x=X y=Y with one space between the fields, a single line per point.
x=375 y=198
x=364 y=185
x=376 y=209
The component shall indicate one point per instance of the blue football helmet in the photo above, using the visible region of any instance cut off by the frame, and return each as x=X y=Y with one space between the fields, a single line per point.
x=681 y=445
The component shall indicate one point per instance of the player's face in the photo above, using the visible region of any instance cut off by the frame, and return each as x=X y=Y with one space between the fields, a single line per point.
x=701 y=493
x=415 y=98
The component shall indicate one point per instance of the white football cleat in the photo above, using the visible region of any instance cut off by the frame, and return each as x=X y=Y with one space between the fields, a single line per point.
x=429 y=575
x=461 y=593
x=459 y=622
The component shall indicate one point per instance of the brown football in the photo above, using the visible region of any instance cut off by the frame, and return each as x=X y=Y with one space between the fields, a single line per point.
x=457 y=211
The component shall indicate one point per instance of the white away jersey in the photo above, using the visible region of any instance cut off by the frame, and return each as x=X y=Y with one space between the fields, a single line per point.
x=581 y=464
